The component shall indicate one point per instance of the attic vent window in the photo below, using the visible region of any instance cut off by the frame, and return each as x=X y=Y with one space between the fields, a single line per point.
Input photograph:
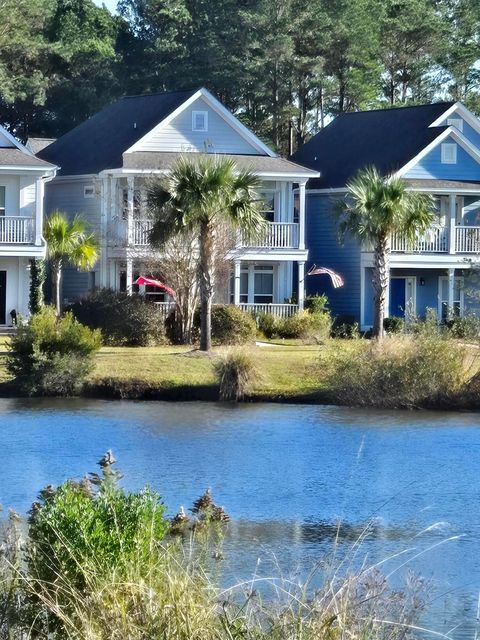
x=199 y=120
x=455 y=122
x=449 y=153
x=88 y=191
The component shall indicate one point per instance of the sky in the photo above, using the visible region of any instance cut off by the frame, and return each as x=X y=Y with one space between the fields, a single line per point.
x=110 y=4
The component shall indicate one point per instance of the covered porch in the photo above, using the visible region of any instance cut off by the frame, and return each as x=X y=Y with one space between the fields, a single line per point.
x=412 y=293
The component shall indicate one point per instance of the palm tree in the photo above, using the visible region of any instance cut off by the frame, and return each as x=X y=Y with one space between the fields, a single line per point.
x=68 y=242
x=374 y=208
x=200 y=196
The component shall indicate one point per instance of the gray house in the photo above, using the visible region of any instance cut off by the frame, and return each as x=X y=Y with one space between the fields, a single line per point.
x=105 y=161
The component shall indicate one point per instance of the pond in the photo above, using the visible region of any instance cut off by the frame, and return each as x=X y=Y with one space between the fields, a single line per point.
x=286 y=474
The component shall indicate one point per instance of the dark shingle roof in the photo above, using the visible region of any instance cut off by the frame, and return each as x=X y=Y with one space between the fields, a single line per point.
x=163 y=161
x=13 y=157
x=99 y=142
x=386 y=138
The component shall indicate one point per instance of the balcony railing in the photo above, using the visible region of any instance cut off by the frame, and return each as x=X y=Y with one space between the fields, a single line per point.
x=433 y=240
x=16 y=230
x=141 y=232
x=277 y=235
x=467 y=239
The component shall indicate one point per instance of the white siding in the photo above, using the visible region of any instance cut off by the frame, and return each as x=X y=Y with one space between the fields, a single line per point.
x=178 y=136
x=27 y=196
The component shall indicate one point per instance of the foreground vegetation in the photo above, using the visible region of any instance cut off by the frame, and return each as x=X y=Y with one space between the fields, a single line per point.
x=99 y=563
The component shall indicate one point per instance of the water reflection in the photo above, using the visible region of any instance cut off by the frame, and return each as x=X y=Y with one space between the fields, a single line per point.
x=286 y=474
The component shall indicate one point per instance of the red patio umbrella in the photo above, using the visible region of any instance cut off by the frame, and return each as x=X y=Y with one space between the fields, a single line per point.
x=155 y=283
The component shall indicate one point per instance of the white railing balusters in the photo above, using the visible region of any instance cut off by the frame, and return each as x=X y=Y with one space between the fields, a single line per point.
x=278 y=310
x=277 y=235
x=467 y=239
x=433 y=240
x=16 y=230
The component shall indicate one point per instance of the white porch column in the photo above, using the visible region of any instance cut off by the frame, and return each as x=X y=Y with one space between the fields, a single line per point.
x=251 y=283
x=387 y=297
x=453 y=221
x=113 y=284
x=362 y=297
x=451 y=291
x=104 y=213
x=301 y=218
x=129 y=276
x=236 y=282
x=39 y=195
x=301 y=285
x=130 y=205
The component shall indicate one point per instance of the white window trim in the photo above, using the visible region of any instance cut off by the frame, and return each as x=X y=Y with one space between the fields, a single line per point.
x=3 y=210
x=455 y=122
x=460 y=282
x=447 y=149
x=89 y=191
x=205 y=116
x=265 y=194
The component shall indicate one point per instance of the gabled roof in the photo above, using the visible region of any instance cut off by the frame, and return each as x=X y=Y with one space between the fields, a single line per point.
x=99 y=142
x=386 y=138
x=11 y=157
x=37 y=144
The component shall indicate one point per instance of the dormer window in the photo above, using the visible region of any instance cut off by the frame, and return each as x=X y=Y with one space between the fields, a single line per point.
x=455 y=122
x=449 y=153
x=199 y=120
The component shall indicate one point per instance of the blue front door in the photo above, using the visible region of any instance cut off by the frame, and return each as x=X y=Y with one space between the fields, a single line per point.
x=397 y=297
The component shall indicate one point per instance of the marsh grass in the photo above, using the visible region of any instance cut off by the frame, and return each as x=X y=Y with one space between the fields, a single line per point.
x=235 y=371
x=399 y=372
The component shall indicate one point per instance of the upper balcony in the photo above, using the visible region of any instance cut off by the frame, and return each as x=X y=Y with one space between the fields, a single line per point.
x=17 y=230
x=440 y=239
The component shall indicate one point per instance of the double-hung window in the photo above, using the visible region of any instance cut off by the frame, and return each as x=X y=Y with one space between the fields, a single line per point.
x=458 y=296
x=263 y=284
x=2 y=201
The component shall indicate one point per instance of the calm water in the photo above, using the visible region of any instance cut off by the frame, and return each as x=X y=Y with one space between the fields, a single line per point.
x=286 y=475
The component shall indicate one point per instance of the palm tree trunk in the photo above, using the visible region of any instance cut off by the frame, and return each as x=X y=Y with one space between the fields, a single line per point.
x=381 y=276
x=206 y=279
x=57 y=285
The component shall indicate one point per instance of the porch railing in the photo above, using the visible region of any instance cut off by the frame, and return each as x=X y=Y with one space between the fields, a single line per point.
x=16 y=230
x=433 y=240
x=164 y=308
x=278 y=310
x=467 y=239
x=277 y=235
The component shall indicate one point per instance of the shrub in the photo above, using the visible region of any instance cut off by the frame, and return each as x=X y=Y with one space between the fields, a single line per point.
x=317 y=303
x=404 y=372
x=267 y=324
x=467 y=327
x=52 y=356
x=122 y=319
x=346 y=327
x=394 y=325
x=307 y=326
x=230 y=325
x=235 y=373
x=37 y=280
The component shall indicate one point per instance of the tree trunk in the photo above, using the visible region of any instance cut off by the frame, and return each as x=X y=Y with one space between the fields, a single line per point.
x=381 y=276
x=206 y=279
x=57 y=285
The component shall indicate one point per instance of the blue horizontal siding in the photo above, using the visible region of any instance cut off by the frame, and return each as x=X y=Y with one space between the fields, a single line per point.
x=431 y=167
x=325 y=250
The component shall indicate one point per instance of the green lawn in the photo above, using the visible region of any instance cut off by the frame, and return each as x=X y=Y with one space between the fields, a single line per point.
x=283 y=370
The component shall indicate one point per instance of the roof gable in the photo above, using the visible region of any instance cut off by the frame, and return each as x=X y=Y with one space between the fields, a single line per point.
x=385 y=138
x=225 y=134
x=428 y=163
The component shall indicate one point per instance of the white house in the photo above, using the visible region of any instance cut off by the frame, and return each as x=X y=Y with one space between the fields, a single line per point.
x=105 y=161
x=22 y=181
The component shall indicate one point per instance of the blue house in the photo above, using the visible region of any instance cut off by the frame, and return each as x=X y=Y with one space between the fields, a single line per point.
x=436 y=149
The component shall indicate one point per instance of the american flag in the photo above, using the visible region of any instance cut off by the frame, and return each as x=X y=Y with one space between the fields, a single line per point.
x=336 y=278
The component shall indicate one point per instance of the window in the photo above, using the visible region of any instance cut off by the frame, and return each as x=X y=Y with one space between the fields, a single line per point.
x=471 y=211
x=2 y=201
x=199 y=120
x=243 y=286
x=449 y=153
x=443 y=297
x=455 y=122
x=89 y=191
x=138 y=204
x=268 y=209
x=263 y=283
